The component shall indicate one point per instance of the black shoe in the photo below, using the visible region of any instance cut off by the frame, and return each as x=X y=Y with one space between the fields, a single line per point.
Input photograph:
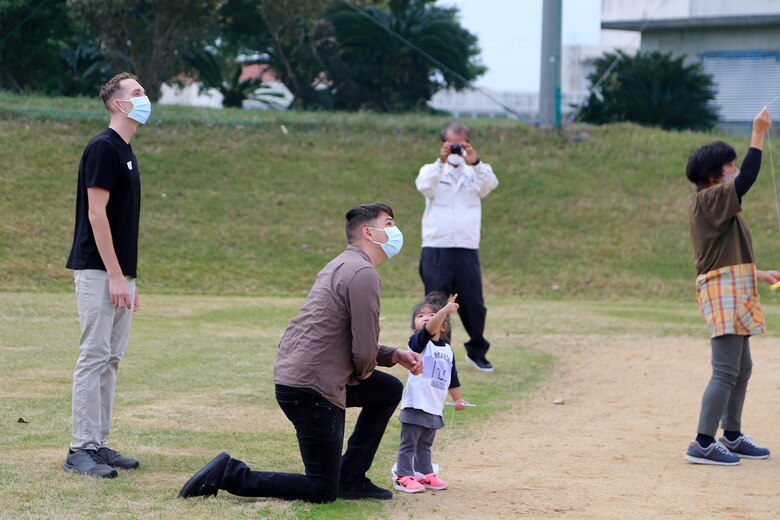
x=206 y=482
x=364 y=489
x=480 y=363
x=116 y=460
x=88 y=462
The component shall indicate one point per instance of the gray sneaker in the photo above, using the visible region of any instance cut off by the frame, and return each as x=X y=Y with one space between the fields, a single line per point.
x=88 y=462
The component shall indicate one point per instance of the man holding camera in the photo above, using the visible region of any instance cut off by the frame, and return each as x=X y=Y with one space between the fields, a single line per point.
x=453 y=187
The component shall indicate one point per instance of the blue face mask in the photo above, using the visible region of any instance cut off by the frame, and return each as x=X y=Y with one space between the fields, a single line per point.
x=142 y=109
x=395 y=241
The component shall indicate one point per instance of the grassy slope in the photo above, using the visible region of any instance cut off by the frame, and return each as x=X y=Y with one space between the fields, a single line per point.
x=232 y=205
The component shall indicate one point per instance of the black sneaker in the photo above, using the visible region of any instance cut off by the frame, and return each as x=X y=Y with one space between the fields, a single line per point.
x=480 y=363
x=116 y=460
x=88 y=462
x=364 y=489
x=207 y=481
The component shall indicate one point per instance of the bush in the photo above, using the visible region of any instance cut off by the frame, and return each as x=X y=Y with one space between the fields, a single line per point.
x=651 y=89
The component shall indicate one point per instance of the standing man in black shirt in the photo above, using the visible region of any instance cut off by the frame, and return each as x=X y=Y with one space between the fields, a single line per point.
x=104 y=257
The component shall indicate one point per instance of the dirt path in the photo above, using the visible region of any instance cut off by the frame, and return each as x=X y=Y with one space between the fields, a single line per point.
x=615 y=448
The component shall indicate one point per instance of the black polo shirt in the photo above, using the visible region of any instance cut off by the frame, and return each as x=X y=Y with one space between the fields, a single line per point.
x=108 y=162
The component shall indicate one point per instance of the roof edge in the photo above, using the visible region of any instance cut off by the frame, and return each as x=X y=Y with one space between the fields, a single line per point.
x=752 y=20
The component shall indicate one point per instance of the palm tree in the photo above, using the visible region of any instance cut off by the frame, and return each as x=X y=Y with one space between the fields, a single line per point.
x=397 y=58
x=86 y=69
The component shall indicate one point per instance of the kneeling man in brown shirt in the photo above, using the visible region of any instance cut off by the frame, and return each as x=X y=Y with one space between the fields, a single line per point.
x=326 y=363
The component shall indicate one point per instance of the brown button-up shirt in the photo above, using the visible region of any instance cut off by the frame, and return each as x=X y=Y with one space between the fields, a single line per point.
x=334 y=339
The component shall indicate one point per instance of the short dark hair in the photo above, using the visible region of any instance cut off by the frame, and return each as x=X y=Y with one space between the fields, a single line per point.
x=707 y=162
x=363 y=214
x=109 y=90
x=455 y=126
x=436 y=302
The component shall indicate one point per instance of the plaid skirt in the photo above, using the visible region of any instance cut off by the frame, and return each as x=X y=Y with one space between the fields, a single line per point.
x=728 y=300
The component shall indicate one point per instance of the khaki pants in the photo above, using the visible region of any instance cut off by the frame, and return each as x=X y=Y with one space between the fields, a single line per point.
x=104 y=333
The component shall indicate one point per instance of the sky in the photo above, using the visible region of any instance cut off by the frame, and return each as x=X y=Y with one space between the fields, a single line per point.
x=510 y=36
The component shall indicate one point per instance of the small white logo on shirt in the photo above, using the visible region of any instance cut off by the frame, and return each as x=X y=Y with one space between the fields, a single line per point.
x=130 y=165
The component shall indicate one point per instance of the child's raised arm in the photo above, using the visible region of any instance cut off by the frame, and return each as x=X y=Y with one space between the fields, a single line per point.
x=434 y=324
x=761 y=123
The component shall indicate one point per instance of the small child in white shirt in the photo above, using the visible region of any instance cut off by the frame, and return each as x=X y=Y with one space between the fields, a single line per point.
x=423 y=399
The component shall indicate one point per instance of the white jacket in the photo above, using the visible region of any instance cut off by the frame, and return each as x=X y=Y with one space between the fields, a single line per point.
x=453 y=203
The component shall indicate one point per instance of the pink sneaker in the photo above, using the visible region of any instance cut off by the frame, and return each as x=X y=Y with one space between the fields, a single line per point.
x=431 y=481
x=408 y=485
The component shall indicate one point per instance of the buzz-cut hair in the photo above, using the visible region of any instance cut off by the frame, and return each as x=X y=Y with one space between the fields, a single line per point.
x=109 y=90
x=364 y=214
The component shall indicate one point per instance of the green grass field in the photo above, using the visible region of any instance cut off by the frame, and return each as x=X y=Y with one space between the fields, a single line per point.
x=197 y=379
x=586 y=234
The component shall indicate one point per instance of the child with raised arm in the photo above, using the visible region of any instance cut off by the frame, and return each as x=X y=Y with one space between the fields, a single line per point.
x=727 y=292
x=423 y=399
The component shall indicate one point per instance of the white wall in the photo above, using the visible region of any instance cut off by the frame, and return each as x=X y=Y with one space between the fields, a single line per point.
x=733 y=7
x=614 y=10
x=191 y=96
x=694 y=42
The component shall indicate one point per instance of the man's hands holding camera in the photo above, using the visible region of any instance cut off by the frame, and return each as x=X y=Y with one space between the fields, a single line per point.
x=462 y=149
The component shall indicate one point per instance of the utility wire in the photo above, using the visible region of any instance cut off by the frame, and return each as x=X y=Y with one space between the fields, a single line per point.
x=774 y=182
x=612 y=65
x=13 y=31
x=430 y=58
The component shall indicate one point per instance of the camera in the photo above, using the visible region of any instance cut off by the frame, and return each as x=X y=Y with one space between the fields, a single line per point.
x=456 y=149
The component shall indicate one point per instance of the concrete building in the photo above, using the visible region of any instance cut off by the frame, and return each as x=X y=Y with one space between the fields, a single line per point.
x=736 y=41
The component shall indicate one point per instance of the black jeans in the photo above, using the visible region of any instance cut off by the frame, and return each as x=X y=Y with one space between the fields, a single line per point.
x=319 y=426
x=454 y=270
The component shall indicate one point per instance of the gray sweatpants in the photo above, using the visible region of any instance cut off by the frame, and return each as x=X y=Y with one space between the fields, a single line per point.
x=104 y=332
x=415 y=450
x=725 y=394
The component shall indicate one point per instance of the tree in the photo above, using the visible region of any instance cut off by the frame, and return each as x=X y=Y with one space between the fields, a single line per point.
x=333 y=55
x=86 y=69
x=651 y=89
x=282 y=33
x=288 y=24
x=384 y=71
x=32 y=35
x=148 y=37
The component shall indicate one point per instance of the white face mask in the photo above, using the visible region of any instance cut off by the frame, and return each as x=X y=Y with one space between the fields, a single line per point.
x=455 y=160
x=729 y=177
